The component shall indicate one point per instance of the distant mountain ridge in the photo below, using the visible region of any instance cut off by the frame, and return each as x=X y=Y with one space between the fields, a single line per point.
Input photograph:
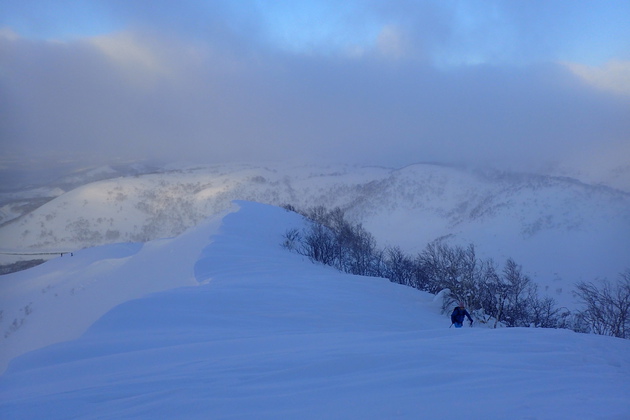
x=561 y=230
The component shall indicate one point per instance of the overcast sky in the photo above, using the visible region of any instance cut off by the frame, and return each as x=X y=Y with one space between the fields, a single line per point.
x=515 y=83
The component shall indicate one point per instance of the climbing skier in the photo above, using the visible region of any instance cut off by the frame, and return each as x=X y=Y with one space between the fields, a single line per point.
x=457 y=317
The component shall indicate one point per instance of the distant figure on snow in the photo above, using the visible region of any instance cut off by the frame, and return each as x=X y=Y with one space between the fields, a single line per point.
x=457 y=317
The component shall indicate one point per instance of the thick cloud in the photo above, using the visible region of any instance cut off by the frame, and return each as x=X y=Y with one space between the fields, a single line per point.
x=220 y=83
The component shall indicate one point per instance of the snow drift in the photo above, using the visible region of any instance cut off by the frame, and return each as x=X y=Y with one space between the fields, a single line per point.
x=253 y=331
x=560 y=230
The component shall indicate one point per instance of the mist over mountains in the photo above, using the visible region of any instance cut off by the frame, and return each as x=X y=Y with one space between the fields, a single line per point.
x=559 y=229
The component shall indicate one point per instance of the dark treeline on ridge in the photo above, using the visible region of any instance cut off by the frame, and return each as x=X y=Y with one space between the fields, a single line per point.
x=496 y=295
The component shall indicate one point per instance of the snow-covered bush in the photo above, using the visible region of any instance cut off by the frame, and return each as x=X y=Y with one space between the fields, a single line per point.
x=607 y=306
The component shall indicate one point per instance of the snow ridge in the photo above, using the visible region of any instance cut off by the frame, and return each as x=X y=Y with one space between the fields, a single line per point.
x=561 y=231
x=262 y=333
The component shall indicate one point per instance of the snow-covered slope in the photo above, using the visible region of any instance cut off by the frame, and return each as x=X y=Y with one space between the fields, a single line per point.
x=58 y=300
x=24 y=189
x=262 y=333
x=561 y=231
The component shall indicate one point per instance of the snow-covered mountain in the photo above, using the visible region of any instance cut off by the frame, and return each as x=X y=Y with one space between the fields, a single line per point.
x=560 y=230
x=22 y=191
x=221 y=322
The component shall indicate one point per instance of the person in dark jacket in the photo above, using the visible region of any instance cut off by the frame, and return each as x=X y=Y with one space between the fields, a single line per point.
x=457 y=317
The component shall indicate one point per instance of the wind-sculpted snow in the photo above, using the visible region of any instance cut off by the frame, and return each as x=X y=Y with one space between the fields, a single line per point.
x=263 y=333
x=58 y=300
x=561 y=231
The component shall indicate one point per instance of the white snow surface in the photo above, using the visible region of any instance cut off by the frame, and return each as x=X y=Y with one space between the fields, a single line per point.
x=560 y=230
x=223 y=323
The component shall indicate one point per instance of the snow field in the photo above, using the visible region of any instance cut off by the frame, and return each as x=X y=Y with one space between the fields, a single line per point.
x=265 y=334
